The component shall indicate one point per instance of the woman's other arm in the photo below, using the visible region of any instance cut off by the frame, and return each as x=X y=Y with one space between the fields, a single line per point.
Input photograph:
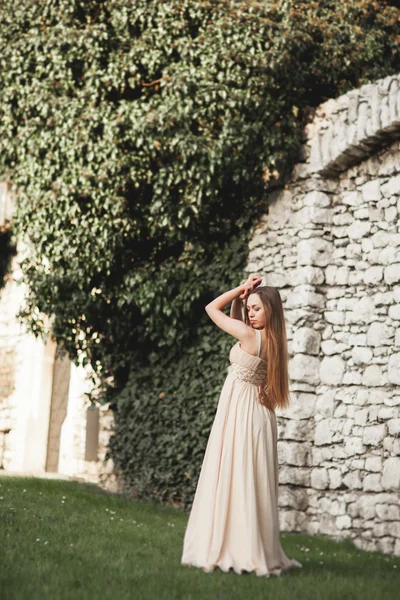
x=236 y=306
x=236 y=309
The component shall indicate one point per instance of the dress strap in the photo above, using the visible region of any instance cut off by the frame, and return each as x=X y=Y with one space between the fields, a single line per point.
x=258 y=336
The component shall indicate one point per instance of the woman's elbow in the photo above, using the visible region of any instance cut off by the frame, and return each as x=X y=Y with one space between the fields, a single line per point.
x=210 y=309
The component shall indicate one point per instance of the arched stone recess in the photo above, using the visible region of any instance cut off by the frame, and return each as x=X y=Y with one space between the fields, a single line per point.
x=330 y=241
x=46 y=426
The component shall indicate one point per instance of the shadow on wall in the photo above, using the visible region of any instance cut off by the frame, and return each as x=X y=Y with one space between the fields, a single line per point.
x=7 y=251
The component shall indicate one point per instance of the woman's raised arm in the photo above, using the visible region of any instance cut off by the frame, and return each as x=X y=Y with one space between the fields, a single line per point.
x=233 y=325
x=236 y=306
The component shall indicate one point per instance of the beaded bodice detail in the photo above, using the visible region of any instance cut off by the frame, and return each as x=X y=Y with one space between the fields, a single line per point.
x=245 y=366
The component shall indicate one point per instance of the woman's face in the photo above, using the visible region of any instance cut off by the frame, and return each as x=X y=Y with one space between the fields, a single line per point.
x=255 y=310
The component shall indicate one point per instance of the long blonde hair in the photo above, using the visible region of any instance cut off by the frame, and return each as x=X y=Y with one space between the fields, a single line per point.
x=274 y=391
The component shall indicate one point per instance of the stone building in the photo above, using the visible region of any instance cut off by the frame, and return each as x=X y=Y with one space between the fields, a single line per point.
x=330 y=241
x=46 y=423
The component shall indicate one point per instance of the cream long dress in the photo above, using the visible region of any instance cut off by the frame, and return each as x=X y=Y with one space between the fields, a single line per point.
x=233 y=521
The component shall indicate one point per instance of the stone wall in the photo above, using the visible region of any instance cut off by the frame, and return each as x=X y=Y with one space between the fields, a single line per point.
x=330 y=241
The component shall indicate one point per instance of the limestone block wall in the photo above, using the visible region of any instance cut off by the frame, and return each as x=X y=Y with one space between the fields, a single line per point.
x=330 y=241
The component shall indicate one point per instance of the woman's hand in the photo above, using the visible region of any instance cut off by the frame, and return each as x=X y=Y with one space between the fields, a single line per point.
x=252 y=282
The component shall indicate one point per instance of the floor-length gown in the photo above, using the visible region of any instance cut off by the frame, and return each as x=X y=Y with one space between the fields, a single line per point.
x=233 y=522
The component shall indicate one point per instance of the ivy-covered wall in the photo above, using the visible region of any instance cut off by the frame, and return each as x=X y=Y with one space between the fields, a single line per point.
x=140 y=137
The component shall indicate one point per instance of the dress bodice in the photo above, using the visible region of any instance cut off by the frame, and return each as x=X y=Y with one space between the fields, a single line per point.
x=245 y=366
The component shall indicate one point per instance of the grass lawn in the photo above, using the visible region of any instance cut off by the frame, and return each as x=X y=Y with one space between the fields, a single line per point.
x=69 y=540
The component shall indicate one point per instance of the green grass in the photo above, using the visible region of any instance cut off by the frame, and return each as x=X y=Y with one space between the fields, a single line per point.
x=68 y=540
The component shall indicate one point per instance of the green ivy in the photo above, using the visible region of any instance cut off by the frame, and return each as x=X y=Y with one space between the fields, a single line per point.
x=164 y=413
x=140 y=137
x=164 y=417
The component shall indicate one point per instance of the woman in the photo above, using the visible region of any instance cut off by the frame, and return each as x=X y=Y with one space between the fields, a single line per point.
x=233 y=521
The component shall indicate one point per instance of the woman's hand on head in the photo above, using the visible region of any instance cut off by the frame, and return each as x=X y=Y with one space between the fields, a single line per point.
x=252 y=282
